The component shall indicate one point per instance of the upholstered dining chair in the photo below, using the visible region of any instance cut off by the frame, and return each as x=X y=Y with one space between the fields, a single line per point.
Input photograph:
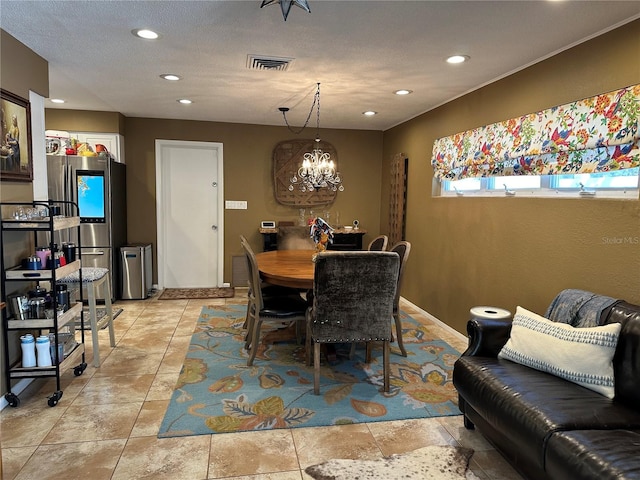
x=403 y=249
x=353 y=295
x=379 y=243
x=274 y=308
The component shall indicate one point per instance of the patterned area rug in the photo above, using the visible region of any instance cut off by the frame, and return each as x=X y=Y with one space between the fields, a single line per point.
x=441 y=462
x=217 y=392
x=195 y=293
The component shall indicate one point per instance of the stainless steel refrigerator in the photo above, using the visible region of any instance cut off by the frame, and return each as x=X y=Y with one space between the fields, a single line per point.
x=98 y=186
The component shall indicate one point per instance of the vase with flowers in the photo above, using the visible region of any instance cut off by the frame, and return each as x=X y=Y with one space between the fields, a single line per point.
x=321 y=233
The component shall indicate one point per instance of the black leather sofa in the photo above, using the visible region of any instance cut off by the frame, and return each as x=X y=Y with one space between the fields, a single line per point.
x=545 y=426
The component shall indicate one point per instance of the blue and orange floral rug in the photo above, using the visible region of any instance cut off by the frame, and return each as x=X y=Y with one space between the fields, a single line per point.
x=217 y=392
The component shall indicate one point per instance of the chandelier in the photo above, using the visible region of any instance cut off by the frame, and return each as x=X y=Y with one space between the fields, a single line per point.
x=317 y=169
x=285 y=5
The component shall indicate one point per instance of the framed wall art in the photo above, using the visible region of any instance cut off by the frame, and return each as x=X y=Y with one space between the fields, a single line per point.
x=287 y=158
x=16 y=163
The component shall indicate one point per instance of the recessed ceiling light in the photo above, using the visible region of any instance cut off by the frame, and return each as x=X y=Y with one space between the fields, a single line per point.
x=57 y=100
x=145 y=33
x=170 y=76
x=369 y=113
x=457 y=59
x=403 y=92
x=185 y=101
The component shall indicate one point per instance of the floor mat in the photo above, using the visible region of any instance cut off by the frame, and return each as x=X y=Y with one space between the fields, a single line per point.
x=196 y=293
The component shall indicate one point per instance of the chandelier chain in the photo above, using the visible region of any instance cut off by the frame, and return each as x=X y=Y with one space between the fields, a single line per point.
x=318 y=114
x=317 y=170
x=316 y=101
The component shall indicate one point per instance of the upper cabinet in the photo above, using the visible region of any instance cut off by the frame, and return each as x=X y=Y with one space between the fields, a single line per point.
x=113 y=142
x=59 y=142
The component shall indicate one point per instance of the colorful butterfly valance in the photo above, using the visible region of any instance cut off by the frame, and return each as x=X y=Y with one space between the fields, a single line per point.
x=597 y=134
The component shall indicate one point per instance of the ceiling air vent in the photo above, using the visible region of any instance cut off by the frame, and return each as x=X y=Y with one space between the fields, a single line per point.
x=262 y=62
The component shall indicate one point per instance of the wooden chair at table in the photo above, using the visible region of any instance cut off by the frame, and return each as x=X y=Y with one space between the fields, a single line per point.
x=403 y=249
x=378 y=244
x=274 y=308
x=353 y=300
x=268 y=290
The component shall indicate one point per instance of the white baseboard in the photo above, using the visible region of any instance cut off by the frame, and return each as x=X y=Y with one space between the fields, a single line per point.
x=18 y=388
x=436 y=320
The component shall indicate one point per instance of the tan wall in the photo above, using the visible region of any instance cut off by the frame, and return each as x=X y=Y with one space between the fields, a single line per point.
x=21 y=70
x=32 y=74
x=84 y=121
x=248 y=173
x=248 y=176
x=517 y=251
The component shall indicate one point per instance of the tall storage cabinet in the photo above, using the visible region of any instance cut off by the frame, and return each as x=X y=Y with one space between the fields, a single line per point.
x=23 y=217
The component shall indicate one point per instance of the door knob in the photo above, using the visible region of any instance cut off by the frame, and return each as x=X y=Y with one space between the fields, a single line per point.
x=214 y=227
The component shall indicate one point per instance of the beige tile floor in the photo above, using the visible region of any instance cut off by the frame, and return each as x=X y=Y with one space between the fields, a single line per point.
x=105 y=425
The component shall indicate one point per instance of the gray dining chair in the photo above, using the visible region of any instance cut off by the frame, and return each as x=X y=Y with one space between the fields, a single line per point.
x=274 y=308
x=379 y=243
x=353 y=295
x=403 y=249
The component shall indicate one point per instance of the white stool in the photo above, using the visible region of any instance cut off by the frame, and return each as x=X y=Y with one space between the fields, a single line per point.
x=494 y=313
x=92 y=278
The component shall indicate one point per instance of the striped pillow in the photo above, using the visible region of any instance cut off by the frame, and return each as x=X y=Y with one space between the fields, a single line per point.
x=579 y=355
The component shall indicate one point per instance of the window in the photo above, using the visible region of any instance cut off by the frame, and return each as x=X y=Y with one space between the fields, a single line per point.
x=615 y=184
x=619 y=179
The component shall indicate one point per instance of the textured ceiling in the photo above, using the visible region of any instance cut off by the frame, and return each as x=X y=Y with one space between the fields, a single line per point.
x=360 y=52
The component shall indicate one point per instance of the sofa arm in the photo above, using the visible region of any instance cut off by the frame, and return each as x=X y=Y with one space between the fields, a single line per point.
x=487 y=336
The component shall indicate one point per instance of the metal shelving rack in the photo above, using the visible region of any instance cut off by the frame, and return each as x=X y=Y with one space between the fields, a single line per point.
x=74 y=359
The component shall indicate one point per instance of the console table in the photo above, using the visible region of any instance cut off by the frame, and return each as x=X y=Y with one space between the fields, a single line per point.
x=342 y=239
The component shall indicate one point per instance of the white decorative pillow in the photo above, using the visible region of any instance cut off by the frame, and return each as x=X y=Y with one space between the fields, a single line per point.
x=579 y=355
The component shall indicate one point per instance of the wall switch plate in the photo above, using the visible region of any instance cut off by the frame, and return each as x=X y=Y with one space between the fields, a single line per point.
x=235 y=204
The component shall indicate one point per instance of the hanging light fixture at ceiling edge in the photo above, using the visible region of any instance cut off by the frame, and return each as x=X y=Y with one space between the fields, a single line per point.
x=317 y=169
x=285 y=5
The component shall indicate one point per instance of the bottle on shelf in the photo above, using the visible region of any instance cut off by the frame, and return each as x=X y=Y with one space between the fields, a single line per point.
x=43 y=347
x=43 y=254
x=57 y=355
x=28 y=344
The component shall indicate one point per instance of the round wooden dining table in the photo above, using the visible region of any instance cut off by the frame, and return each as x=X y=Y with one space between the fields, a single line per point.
x=288 y=268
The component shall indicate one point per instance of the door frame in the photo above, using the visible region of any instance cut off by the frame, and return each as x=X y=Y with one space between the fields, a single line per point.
x=160 y=217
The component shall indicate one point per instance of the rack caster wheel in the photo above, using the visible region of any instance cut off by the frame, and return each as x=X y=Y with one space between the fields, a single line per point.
x=53 y=399
x=79 y=370
x=12 y=399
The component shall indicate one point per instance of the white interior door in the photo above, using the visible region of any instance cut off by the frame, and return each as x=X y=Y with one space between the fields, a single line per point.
x=189 y=199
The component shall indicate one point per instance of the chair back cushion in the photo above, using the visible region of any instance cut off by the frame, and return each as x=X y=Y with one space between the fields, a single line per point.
x=353 y=296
